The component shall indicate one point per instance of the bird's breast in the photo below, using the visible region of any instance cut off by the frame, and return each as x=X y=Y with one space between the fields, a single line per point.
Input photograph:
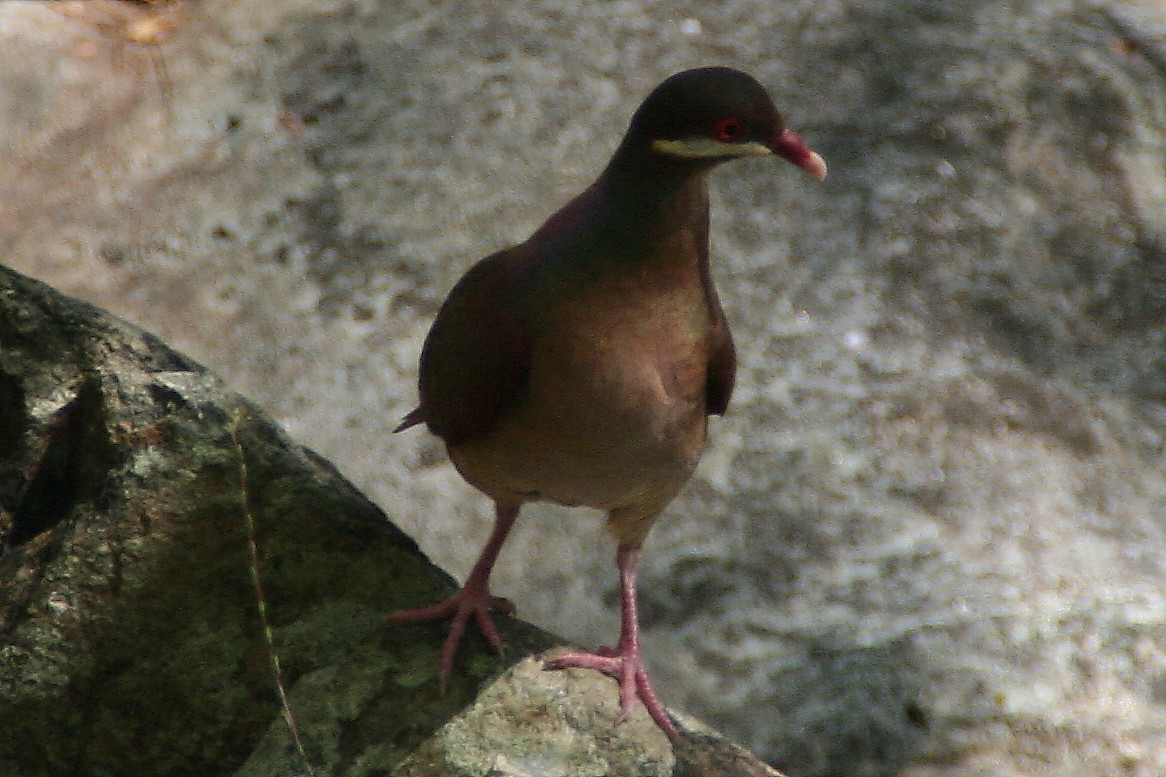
x=613 y=413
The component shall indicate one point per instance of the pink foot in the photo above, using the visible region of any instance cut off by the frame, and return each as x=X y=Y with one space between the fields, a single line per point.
x=628 y=670
x=467 y=602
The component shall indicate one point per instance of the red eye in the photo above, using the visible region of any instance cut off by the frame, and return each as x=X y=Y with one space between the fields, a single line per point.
x=729 y=129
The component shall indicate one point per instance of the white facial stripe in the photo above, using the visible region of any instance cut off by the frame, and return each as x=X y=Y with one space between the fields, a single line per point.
x=707 y=148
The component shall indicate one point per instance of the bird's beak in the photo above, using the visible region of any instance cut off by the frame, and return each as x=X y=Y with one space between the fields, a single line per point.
x=789 y=145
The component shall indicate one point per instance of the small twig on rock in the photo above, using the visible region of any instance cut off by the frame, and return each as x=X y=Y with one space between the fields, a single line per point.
x=260 y=597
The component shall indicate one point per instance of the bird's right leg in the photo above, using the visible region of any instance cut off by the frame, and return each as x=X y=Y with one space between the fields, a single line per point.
x=473 y=599
x=625 y=663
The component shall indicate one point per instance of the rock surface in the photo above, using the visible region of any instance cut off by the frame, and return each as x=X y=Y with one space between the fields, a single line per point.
x=928 y=538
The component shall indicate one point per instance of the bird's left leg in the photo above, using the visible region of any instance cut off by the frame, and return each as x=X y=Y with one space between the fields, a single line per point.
x=473 y=599
x=624 y=663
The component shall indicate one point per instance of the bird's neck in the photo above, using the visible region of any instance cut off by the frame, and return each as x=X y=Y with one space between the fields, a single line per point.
x=640 y=200
x=631 y=214
x=638 y=175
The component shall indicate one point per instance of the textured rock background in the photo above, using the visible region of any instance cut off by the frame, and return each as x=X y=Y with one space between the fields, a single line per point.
x=929 y=536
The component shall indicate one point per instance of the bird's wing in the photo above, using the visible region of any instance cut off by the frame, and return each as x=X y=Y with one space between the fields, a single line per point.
x=722 y=354
x=477 y=355
x=722 y=361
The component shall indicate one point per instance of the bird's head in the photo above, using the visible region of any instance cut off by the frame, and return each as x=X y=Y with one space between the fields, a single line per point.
x=714 y=114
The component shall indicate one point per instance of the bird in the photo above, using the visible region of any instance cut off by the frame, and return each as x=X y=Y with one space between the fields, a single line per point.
x=580 y=366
